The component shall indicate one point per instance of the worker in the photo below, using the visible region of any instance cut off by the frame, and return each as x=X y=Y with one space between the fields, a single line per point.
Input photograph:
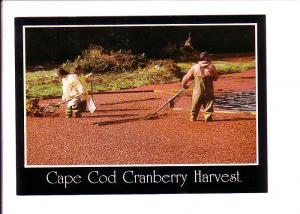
x=203 y=73
x=72 y=88
x=79 y=71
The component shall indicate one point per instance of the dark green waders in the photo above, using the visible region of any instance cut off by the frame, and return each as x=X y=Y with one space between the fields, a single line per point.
x=82 y=105
x=203 y=95
x=75 y=108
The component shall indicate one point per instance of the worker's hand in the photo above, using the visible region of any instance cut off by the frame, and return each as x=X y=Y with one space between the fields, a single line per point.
x=184 y=86
x=206 y=73
x=88 y=75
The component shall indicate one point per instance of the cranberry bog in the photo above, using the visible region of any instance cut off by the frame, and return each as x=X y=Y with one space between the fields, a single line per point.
x=117 y=134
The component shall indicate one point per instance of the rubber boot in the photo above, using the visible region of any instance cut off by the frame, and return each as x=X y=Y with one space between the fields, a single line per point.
x=69 y=112
x=208 y=110
x=76 y=109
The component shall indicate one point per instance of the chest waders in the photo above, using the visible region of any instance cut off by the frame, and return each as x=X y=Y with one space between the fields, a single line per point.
x=203 y=95
x=83 y=103
x=75 y=108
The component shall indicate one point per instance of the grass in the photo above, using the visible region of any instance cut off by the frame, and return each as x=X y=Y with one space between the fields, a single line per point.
x=41 y=84
x=45 y=90
x=224 y=67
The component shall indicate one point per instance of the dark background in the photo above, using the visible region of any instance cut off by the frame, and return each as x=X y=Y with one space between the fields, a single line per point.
x=56 y=45
x=60 y=44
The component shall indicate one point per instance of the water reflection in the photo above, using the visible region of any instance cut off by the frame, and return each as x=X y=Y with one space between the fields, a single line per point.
x=237 y=101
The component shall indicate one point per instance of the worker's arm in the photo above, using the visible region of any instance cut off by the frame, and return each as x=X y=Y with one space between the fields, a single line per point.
x=215 y=75
x=80 y=87
x=189 y=76
x=212 y=73
x=65 y=89
x=88 y=75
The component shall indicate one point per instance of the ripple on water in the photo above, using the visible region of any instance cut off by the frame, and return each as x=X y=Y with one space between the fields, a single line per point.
x=237 y=101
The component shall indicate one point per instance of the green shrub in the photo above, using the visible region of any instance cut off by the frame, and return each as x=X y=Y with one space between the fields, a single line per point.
x=119 y=70
x=224 y=67
x=98 y=60
x=233 y=67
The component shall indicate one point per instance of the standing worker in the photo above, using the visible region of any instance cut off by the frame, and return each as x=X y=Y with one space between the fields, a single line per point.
x=203 y=73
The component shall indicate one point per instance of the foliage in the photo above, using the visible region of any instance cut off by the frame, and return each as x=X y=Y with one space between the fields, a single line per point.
x=98 y=60
x=32 y=108
x=42 y=84
x=224 y=67
x=45 y=90
x=157 y=72
x=120 y=70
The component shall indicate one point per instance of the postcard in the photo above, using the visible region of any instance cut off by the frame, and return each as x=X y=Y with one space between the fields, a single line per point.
x=141 y=105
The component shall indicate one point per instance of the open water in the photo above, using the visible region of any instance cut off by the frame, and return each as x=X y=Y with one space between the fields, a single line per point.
x=237 y=101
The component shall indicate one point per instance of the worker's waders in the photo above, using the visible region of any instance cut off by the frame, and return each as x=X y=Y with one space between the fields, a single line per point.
x=83 y=104
x=76 y=109
x=203 y=95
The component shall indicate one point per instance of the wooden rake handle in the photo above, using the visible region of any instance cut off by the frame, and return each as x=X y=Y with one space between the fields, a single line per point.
x=169 y=100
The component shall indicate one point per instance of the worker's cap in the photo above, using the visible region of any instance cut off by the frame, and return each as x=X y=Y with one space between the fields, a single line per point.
x=204 y=54
x=62 y=72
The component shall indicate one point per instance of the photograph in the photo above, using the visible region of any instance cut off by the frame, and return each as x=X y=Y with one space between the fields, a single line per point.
x=157 y=94
x=142 y=92
x=149 y=106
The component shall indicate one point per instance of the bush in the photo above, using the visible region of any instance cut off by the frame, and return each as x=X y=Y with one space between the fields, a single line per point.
x=157 y=72
x=33 y=108
x=167 y=68
x=98 y=60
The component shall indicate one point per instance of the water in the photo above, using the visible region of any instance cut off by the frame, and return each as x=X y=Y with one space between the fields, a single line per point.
x=237 y=101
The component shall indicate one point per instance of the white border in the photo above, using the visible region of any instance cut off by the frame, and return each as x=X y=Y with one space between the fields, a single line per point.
x=283 y=131
x=136 y=25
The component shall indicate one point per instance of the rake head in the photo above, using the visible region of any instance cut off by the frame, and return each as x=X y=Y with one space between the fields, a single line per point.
x=153 y=116
x=49 y=110
x=150 y=117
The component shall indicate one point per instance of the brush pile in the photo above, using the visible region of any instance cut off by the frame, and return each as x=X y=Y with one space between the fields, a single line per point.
x=98 y=60
x=33 y=108
x=165 y=71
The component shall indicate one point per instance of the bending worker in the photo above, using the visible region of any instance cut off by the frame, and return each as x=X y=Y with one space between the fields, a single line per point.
x=71 y=88
x=203 y=73
x=79 y=71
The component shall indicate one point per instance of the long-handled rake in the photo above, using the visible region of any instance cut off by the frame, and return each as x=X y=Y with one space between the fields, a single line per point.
x=51 y=108
x=153 y=115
